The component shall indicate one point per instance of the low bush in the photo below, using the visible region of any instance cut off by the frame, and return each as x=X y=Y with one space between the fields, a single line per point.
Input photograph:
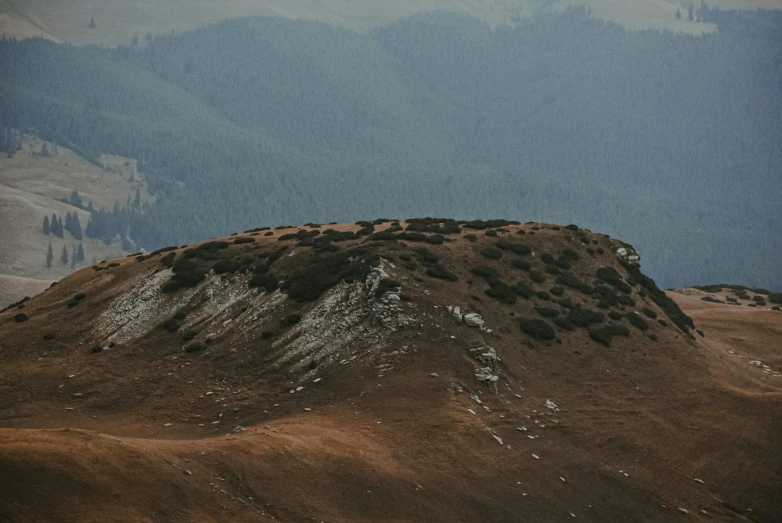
x=471 y=237
x=543 y=295
x=48 y=337
x=243 y=240
x=547 y=312
x=538 y=329
x=73 y=303
x=567 y=303
x=268 y=282
x=516 y=248
x=225 y=266
x=653 y=337
x=171 y=325
x=80 y=296
x=386 y=285
x=308 y=283
x=563 y=323
x=662 y=300
x=523 y=290
x=552 y=269
x=775 y=308
x=571 y=227
x=180 y=314
x=96 y=349
x=557 y=291
x=584 y=317
x=486 y=272
x=649 y=313
x=524 y=265
x=562 y=263
x=537 y=276
x=601 y=335
x=440 y=272
x=636 y=320
x=167 y=261
x=616 y=316
x=570 y=254
x=662 y=323
x=700 y=333
x=291 y=319
x=265 y=335
x=426 y=256
x=189 y=335
x=501 y=292
x=194 y=347
x=435 y=239
x=490 y=232
x=547 y=258
x=612 y=277
x=492 y=253
x=569 y=280
x=488 y=224
x=618 y=330
x=21 y=317
x=775 y=297
x=758 y=299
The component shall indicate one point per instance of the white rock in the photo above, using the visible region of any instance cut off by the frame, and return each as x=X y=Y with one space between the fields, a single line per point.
x=535 y=456
x=473 y=320
x=499 y=439
x=167 y=425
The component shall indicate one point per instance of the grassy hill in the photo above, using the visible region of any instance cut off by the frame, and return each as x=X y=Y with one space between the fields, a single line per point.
x=356 y=392
x=33 y=186
x=118 y=23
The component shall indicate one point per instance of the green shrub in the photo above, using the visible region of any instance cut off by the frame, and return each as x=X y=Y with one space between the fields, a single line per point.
x=538 y=329
x=189 y=335
x=547 y=312
x=225 y=266
x=653 y=337
x=537 y=276
x=700 y=333
x=563 y=323
x=492 y=253
x=268 y=282
x=649 y=312
x=471 y=237
x=562 y=263
x=584 y=317
x=570 y=254
x=171 y=325
x=168 y=260
x=557 y=291
x=440 y=272
x=486 y=272
x=616 y=316
x=636 y=320
x=73 y=303
x=194 y=347
x=386 y=285
x=547 y=258
x=96 y=349
x=435 y=239
x=516 y=248
x=569 y=280
x=601 y=335
x=552 y=269
x=543 y=295
x=524 y=265
x=612 y=277
x=775 y=297
x=80 y=296
x=662 y=323
x=572 y=227
x=491 y=233
x=662 y=300
x=243 y=240
x=501 y=292
x=426 y=256
x=20 y=317
x=48 y=337
x=775 y=308
x=523 y=290
x=308 y=283
x=265 y=335
x=568 y=303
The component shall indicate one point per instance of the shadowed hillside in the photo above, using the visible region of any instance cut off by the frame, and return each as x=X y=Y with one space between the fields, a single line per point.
x=427 y=370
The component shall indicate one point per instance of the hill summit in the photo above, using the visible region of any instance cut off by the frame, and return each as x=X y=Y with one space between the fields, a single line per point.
x=425 y=370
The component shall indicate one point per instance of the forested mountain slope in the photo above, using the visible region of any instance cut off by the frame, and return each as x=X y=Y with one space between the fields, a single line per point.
x=672 y=142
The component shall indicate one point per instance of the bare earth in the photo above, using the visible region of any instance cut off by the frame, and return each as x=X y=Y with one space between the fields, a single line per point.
x=683 y=428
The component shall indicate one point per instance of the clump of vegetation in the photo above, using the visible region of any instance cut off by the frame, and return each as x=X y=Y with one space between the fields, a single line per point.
x=171 y=325
x=426 y=256
x=225 y=267
x=543 y=295
x=537 y=276
x=552 y=269
x=612 y=277
x=516 y=248
x=291 y=319
x=308 y=283
x=571 y=227
x=194 y=347
x=557 y=291
x=700 y=333
x=548 y=312
x=538 y=329
x=524 y=290
x=775 y=297
x=471 y=237
x=434 y=225
x=78 y=297
x=585 y=317
x=524 y=265
x=440 y=272
x=605 y=335
x=568 y=279
x=48 y=337
x=20 y=304
x=636 y=320
x=501 y=292
x=488 y=224
x=567 y=303
x=186 y=274
x=243 y=240
x=547 y=258
x=563 y=323
x=21 y=317
x=616 y=316
x=96 y=349
x=189 y=335
x=267 y=281
x=167 y=261
x=669 y=307
x=435 y=239
x=492 y=253
x=486 y=272
x=72 y=303
x=649 y=312
x=386 y=285
x=265 y=335
x=570 y=254
x=711 y=300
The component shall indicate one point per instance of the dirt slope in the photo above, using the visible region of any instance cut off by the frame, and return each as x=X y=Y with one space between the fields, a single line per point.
x=368 y=408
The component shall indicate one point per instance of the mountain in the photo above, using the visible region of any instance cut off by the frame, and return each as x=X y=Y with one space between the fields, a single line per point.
x=42 y=179
x=658 y=138
x=425 y=371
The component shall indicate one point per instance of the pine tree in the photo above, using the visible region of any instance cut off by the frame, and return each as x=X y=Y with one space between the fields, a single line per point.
x=90 y=207
x=68 y=222
x=75 y=200
x=46 y=225
x=76 y=230
x=690 y=13
x=60 y=227
x=44 y=150
x=92 y=22
x=137 y=199
x=80 y=253
x=73 y=258
x=64 y=255
x=49 y=256
x=678 y=14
